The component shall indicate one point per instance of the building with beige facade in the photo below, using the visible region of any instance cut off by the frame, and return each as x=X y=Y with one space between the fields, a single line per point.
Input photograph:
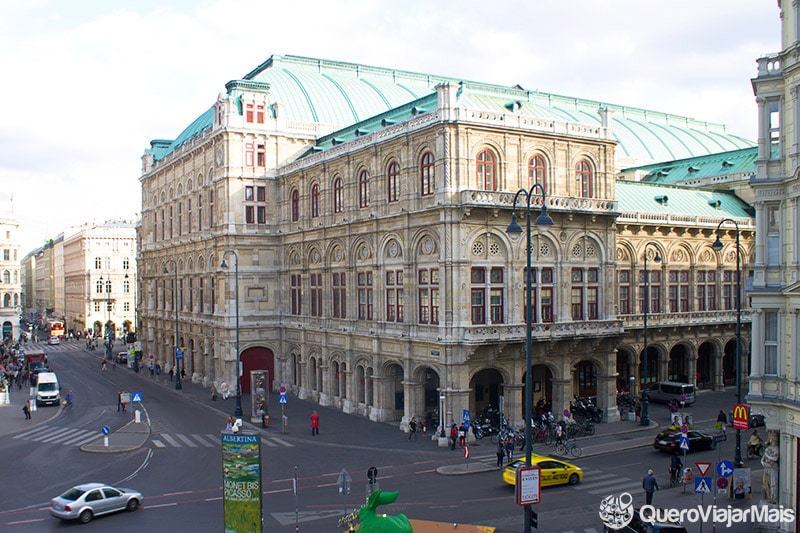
x=367 y=209
x=775 y=291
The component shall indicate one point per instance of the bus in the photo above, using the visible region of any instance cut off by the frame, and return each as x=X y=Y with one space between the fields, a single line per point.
x=56 y=328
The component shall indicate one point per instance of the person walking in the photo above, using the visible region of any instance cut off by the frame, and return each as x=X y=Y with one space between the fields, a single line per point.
x=103 y=365
x=722 y=420
x=171 y=373
x=453 y=435
x=27 y=409
x=501 y=453
x=314 y=423
x=229 y=424
x=120 y=403
x=412 y=429
x=509 y=448
x=223 y=389
x=650 y=486
x=213 y=392
x=68 y=401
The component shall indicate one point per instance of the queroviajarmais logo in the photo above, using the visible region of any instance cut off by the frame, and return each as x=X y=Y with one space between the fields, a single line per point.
x=616 y=512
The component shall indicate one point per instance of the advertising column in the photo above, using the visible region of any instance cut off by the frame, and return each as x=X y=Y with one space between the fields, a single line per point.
x=241 y=481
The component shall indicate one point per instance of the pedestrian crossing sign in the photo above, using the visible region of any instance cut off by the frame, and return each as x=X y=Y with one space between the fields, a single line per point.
x=702 y=485
x=684 y=442
x=136 y=397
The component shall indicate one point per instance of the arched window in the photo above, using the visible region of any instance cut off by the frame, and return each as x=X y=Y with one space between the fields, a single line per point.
x=108 y=286
x=338 y=199
x=486 y=170
x=295 y=205
x=585 y=177
x=98 y=263
x=315 y=200
x=392 y=176
x=6 y=276
x=426 y=177
x=537 y=171
x=99 y=286
x=363 y=189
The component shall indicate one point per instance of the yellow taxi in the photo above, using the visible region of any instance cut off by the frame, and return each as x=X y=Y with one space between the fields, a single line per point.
x=553 y=471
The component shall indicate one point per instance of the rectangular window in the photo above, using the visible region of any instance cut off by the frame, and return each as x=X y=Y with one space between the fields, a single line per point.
x=180 y=218
x=771 y=343
x=248 y=154
x=211 y=208
x=678 y=291
x=624 y=292
x=496 y=295
x=316 y=294
x=248 y=112
x=189 y=214
x=592 y=291
x=261 y=155
x=126 y=307
x=255 y=209
x=296 y=293
x=213 y=295
x=200 y=212
x=774 y=126
x=773 y=236
x=478 y=295
x=202 y=294
x=728 y=290
x=364 y=295
x=191 y=295
x=260 y=113
x=428 y=286
x=339 y=295
x=394 y=295
x=576 y=294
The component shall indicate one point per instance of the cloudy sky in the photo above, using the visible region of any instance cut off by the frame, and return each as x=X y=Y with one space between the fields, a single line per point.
x=87 y=84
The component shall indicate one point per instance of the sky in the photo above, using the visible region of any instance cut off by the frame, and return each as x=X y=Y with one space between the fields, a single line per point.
x=88 y=84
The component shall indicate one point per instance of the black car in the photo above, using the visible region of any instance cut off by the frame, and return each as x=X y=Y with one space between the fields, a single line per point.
x=669 y=441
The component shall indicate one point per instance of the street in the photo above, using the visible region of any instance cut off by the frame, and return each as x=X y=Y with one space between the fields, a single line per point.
x=178 y=469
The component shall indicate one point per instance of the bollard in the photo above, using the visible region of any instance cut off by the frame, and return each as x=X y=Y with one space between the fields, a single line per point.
x=137 y=417
x=105 y=442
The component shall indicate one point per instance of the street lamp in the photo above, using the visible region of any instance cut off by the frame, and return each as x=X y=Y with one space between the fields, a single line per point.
x=646 y=309
x=105 y=286
x=543 y=223
x=238 y=411
x=737 y=458
x=178 y=385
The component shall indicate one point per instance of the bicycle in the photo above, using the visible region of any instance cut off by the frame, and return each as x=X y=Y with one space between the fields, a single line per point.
x=758 y=451
x=569 y=448
x=674 y=477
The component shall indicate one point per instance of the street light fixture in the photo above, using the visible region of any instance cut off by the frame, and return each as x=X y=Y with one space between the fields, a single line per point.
x=543 y=223
x=646 y=309
x=178 y=385
x=717 y=246
x=238 y=411
x=105 y=286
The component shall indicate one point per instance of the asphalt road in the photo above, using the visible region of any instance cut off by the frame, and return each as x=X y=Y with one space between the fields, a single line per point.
x=179 y=467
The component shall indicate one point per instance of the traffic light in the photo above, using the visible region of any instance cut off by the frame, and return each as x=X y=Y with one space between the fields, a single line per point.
x=534 y=518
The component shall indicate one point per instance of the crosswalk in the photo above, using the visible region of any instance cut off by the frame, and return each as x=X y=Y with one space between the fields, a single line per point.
x=67 y=436
x=600 y=482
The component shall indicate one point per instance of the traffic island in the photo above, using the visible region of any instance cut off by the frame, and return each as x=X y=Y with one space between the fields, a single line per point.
x=128 y=438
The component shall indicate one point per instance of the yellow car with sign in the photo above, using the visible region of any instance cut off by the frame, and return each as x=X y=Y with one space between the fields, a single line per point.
x=553 y=471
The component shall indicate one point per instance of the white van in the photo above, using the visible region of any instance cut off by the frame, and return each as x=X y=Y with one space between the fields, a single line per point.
x=47 y=389
x=665 y=391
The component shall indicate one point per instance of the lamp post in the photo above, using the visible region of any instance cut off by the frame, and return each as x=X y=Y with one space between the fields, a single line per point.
x=105 y=285
x=646 y=309
x=238 y=411
x=737 y=458
x=543 y=223
x=178 y=385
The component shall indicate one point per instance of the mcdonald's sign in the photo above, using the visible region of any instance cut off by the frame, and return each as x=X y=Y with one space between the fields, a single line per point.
x=741 y=416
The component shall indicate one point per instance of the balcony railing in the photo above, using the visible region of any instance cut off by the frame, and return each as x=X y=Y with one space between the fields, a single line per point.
x=542 y=331
x=491 y=199
x=690 y=318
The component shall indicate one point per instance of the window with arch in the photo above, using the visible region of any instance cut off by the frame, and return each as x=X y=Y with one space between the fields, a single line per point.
x=537 y=170
x=126 y=286
x=295 y=205
x=6 y=276
x=99 y=286
x=315 y=200
x=486 y=168
x=426 y=176
x=392 y=177
x=363 y=189
x=98 y=263
x=338 y=196
x=108 y=286
x=585 y=177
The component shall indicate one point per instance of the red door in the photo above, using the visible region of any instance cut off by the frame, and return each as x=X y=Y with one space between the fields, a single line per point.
x=256 y=359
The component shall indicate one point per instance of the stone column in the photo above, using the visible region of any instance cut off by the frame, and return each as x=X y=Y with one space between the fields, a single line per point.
x=411 y=405
x=381 y=410
x=607 y=389
x=718 y=378
x=514 y=408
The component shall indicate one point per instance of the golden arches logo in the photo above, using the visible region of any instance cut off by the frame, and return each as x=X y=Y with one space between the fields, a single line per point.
x=740 y=412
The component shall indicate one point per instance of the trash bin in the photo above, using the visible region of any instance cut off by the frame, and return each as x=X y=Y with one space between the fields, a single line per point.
x=264 y=421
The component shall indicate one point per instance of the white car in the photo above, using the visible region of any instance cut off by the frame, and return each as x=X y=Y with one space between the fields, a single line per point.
x=84 y=502
x=54 y=340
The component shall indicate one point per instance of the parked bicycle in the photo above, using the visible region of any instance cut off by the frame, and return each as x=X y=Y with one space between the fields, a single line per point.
x=569 y=448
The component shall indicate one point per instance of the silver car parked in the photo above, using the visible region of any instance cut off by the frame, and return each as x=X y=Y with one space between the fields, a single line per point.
x=84 y=502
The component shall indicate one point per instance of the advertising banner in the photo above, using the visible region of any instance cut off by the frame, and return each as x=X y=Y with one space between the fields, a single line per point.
x=241 y=481
x=259 y=385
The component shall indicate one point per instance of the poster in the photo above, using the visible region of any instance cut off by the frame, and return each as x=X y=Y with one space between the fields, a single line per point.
x=740 y=486
x=241 y=481
x=259 y=385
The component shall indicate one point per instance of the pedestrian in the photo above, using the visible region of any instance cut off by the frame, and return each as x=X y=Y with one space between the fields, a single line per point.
x=501 y=453
x=120 y=403
x=412 y=429
x=314 y=423
x=223 y=389
x=682 y=401
x=453 y=435
x=152 y=368
x=171 y=373
x=509 y=448
x=559 y=434
x=722 y=420
x=650 y=485
x=183 y=373
x=229 y=424
x=213 y=392
x=462 y=435
x=103 y=365
x=27 y=409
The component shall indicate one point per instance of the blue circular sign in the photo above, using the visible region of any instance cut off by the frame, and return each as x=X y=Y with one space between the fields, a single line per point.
x=106 y=430
x=725 y=468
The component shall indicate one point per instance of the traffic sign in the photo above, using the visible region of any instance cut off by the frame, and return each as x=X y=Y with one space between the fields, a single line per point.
x=721 y=437
x=136 y=397
x=702 y=485
x=703 y=468
x=684 y=442
x=725 y=469
x=372 y=474
x=106 y=430
x=722 y=483
x=529 y=485
x=282 y=398
x=179 y=354
x=282 y=390
x=741 y=416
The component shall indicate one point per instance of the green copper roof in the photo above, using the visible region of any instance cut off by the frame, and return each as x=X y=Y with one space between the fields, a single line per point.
x=736 y=162
x=636 y=197
x=348 y=96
